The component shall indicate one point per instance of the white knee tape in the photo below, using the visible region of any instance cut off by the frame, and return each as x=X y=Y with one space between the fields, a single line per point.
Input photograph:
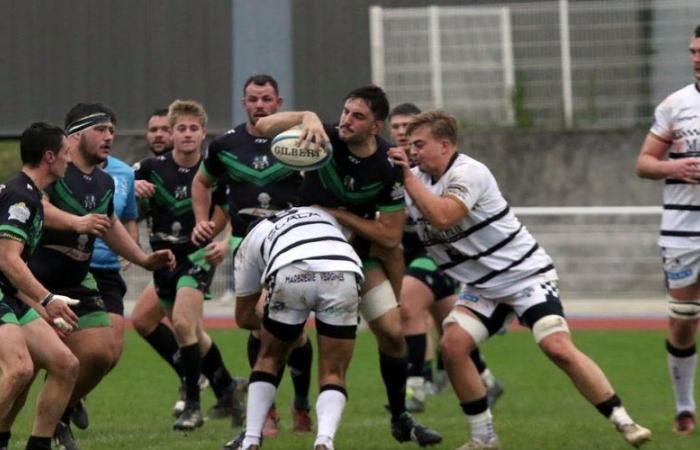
x=471 y=325
x=377 y=301
x=549 y=325
x=684 y=310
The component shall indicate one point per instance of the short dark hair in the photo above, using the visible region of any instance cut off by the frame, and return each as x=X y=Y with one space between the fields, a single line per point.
x=261 y=79
x=697 y=31
x=160 y=112
x=375 y=98
x=37 y=139
x=404 y=109
x=81 y=110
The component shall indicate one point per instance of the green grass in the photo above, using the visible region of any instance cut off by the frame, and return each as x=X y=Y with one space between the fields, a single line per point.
x=540 y=409
x=9 y=158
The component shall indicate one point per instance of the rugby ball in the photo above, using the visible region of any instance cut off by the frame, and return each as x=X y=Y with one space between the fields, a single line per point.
x=284 y=147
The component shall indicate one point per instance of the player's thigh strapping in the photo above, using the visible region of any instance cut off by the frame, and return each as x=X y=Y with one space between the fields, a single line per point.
x=681 y=269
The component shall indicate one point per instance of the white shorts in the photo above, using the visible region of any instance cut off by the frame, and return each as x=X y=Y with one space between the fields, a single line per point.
x=681 y=266
x=333 y=296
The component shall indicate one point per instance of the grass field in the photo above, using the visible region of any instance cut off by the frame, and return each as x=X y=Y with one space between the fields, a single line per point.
x=9 y=158
x=540 y=409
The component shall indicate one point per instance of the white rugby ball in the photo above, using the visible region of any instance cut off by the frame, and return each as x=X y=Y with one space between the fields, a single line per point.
x=284 y=147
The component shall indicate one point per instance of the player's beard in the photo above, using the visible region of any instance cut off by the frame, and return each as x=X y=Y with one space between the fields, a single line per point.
x=91 y=158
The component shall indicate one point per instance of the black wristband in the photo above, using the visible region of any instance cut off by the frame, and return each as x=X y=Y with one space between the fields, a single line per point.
x=45 y=302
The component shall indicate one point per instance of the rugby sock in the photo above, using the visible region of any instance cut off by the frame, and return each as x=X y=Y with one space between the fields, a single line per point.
x=616 y=413
x=5 y=438
x=329 y=408
x=416 y=344
x=479 y=362
x=192 y=366
x=253 y=349
x=480 y=419
x=394 y=374
x=38 y=443
x=261 y=394
x=163 y=342
x=213 y=368
x=299 y=363
x=428 y=370
x=681 y=367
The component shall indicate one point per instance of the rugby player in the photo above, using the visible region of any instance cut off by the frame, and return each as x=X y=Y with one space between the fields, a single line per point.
x=364 y=192
x=258 y=187
x=182 y=291
x=670 y=152
x=27 y=341
x=470 y=232
x=307 y=266
x=61 y=260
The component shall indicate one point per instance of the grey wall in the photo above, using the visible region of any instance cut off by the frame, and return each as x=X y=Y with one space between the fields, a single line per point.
x=134 y=55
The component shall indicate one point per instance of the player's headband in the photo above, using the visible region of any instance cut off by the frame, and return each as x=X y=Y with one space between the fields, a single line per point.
x=87 y=122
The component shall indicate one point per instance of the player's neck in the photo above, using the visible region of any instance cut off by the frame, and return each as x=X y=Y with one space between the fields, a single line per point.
x=250 y=128
x=184 y=159
x=40 y=177
x=364 y=149
x=81 y=163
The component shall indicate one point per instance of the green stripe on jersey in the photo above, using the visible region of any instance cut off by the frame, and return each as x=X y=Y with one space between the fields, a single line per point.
x=238 y=171
x=331 y=180
x=14 y=230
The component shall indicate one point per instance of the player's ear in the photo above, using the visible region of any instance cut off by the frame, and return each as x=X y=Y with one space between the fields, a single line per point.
x=50 y=156
x=377 y=126
x=280 y=100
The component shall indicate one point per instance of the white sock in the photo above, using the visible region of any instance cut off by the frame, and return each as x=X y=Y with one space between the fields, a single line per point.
x=261 y=395
x=682 y=371
x=482 y=426
x=619 y=417
x=329 y=409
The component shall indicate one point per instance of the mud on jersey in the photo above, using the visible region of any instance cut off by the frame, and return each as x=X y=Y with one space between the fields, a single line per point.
x=21 y=218
x=63 y=257
x=258 y=184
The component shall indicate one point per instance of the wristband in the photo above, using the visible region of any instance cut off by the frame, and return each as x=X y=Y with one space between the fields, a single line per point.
x=48 y=299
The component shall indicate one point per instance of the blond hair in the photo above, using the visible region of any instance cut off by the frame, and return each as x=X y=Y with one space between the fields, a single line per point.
x=442 y=125
x=181 y=108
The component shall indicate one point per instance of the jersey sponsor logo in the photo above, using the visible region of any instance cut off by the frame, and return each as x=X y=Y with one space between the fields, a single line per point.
x=679 y=275
x=83 y=241
x=176 y=228
x=89 y=202
x=353 y=160
x=264 y=200
x=19 y=212
x=468 y=297
x=397 y=191
x=349 y=183
x=261 y=162
x=181 y=192
x=261 y=140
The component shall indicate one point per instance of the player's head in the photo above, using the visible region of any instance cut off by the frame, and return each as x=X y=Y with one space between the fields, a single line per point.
x=188 y=121
x=399 y=117
x=363 y=115
x=90 y=127
x=433 y=136
x=694 y=49
x=158 y=133
x=42 y=142
x=260 y=97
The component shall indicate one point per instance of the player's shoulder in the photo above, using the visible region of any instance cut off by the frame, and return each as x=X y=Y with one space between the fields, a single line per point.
x=234 y=136
x=683 y=95
x=19 y=186
x=464 y=165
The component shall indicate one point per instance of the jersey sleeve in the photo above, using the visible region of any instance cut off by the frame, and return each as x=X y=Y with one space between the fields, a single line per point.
x=212 y=166
x=142 y=169
x=16 y=216
x=131 y=211
x=466 y=186
x=220 y=194
x=392 y=196
x=662 y=126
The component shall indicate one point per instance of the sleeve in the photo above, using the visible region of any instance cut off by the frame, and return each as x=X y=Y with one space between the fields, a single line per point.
x=110 y=207
x=248 y=267
x=663 y=120
x=16 y=217
x=130 y=209
x=220 y=194
x=467 y=187
x=392 y=196
x=211 y=164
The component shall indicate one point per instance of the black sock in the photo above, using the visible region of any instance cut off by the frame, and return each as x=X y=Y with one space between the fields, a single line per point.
x=428 y=370
x=192 y=366
x=606 y=407
x=394 y=373
x=480 y=364
x=163 y=341
x=5 y=438
x=476 y=407
x=440 y=365
x=253 y=349
x=299 y=363
x=38 y=443
x=416 y=343
x=65 y=418
x=213 y=368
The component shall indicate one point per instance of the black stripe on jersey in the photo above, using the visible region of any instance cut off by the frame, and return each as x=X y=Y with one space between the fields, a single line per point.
x=470 y=230
x=301 y=224
x=329 y=257
x=298 y=243
x=677 y=155
x=680 y=233
x=682 y=207
x=488 y=251
x=496 y=273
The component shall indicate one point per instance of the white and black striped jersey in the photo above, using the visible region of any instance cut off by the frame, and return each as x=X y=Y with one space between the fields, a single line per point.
x=677 y=121
x=307 y=237
x=489 y=249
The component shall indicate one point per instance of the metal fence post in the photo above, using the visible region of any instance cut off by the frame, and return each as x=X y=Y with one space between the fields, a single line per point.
x=565 y=45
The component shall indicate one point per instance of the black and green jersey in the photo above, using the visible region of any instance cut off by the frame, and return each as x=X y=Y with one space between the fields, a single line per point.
x=21 y=218
x=170 y=209
x=258 y=184
x=63 y=257
x=363 y=186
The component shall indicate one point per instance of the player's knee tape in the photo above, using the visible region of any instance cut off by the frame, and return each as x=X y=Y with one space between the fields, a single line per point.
x=549 y=325
x=471 y=325
x=377 y=301
x=684 y=310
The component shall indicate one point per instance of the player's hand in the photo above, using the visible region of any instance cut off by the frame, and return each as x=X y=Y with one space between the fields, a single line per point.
x=312 y=133
x=96 y=224
x=686 y=169
x=158 y=260
x=60 y=313
x=203 y=231
x=398 y=156
x=216 y=252
x=144 y=189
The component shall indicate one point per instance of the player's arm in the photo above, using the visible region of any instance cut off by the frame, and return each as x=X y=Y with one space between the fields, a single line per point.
x=217 y=250
x=57 y=219
x=118 y=239
x=313 y=132
x=201 y=205
x=386 y=230
x=651 y=163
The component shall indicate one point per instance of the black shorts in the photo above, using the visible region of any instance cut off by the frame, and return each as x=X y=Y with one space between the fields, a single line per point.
x=112 y=289
x=91 y=309
x=191 y=271
x=425 y=270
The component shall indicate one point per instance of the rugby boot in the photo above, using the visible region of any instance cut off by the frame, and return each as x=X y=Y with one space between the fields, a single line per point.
x=271 y=426
x=237 y=443
x=79 y=415
x=478 y=444
x=405 y=428
x=63 y=436
x=684 y=423
x=231 y=403
x=635 y=435
x=493 y=393
x=301 y=420
x=190 y=419
x=179 y=406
